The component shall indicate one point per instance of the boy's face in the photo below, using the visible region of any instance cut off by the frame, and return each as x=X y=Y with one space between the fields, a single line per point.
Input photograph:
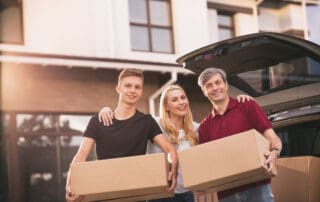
x=130 y=89
x=216 y=89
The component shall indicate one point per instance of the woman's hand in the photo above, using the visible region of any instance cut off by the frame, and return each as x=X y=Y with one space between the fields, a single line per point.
x=244 y=98
x=106 y=115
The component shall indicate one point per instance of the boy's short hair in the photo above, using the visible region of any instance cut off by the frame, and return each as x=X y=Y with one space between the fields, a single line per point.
x=130 y=72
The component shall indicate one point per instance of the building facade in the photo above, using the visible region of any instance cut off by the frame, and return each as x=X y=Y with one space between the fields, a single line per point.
x=60 y=61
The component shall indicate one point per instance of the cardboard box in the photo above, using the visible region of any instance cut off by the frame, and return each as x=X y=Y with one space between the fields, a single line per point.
x=207 y=197
x=142 y=197
x=298 y=179
x=243 y=181
x=225 y=163
x=137 y=176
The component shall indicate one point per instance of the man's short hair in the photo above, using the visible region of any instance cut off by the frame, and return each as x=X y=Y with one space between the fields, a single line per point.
x=208 y=73
x=130 y=72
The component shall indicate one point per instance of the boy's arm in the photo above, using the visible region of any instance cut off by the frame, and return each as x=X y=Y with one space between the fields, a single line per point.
x=81 y=156
x=167 y=147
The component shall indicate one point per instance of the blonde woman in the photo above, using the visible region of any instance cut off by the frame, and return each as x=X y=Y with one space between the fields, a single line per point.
x=177 y=125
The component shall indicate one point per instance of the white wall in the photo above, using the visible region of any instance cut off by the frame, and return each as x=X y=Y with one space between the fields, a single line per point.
x=245 y=24
x=190 y=24
x=291 y=17
x=268 y=20
x=240 y=3
x=121 y=33
x=314 y=25
x=213 y=25
x=59 y=26
x=104 y=25
x=287 y=18
x=100 y=28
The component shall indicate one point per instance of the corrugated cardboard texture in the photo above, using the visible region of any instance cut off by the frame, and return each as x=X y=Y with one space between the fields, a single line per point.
x=224 y=161
x=143 y=197
x=243 y=181
x=121 y=177
x=207 y=197
x=298 y=179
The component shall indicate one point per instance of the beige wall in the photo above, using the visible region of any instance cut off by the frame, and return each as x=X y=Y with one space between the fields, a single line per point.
x=59 y=89
x=30 y=88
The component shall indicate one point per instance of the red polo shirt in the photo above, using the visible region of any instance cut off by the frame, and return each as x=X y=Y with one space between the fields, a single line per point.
x=238 y=117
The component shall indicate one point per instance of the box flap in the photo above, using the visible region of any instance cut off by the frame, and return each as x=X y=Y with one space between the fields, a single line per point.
x=291 y=184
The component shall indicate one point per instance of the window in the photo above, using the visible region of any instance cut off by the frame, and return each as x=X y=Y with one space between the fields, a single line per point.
x=225 y=25
x=223 y=17
x=287 y=74
x=45 y=145
x=11 y=28
x=150 y=26
x=4 y=124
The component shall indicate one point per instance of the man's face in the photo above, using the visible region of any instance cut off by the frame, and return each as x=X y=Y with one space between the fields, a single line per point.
x=130 y=89
x=216 y=89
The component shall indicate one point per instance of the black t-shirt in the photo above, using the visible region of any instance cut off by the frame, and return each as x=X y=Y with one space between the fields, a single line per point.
x=124 y=137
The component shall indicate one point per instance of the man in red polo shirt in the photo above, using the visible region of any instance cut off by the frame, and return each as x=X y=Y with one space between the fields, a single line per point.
x=229 y=117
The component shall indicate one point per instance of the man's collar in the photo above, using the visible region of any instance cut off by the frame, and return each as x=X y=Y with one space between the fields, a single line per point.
x=232 y=103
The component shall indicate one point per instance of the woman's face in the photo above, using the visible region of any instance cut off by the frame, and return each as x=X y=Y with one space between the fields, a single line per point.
x=177 y=103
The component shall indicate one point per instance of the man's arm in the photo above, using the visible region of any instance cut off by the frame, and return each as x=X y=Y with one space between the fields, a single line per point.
x=167 y=147
x=81 y=156
x=275 y=147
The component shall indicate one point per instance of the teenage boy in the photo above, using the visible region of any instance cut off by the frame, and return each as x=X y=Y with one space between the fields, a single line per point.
x=129 y=133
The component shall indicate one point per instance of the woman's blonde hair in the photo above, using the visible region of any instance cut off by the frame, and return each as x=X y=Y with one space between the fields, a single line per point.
x=167 y=125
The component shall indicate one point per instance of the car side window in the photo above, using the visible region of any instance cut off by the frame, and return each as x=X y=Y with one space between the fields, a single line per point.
x=300 y=139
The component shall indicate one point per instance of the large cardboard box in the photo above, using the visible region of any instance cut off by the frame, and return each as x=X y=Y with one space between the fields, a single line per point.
x=142 y=197
x=298 y=179
x=225 y=163
x=125 y=179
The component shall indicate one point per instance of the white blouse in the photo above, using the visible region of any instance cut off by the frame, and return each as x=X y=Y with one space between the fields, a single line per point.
x=182 y=145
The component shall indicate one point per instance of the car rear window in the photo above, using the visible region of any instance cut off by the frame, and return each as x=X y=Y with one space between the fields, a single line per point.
x=287 y=74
